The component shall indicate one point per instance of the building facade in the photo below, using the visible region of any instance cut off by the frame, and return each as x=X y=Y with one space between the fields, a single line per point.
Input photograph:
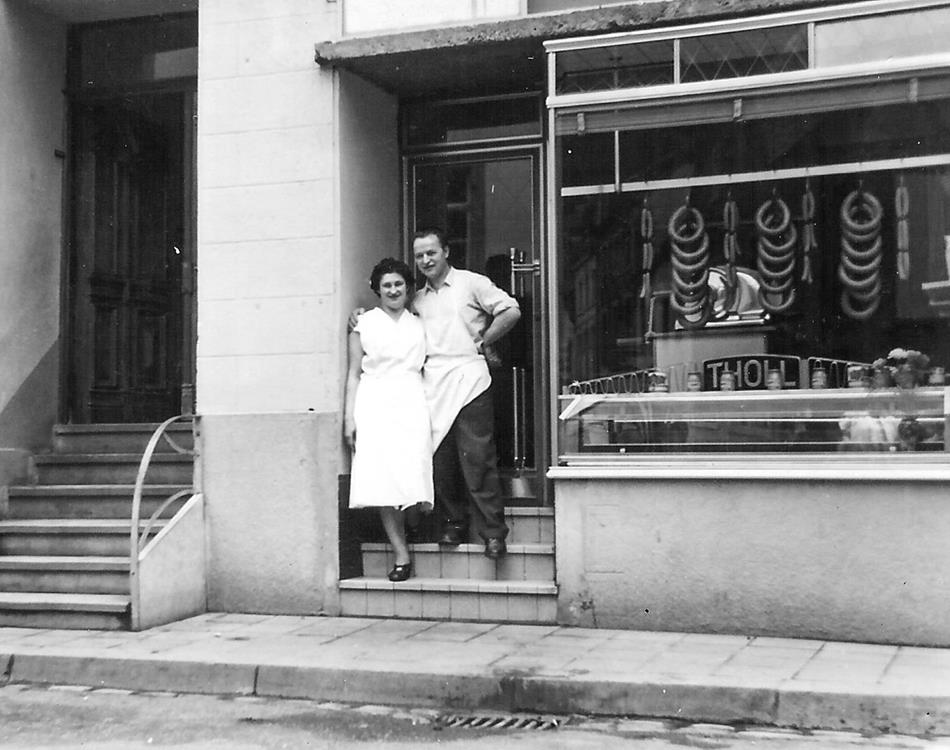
x=728 y=225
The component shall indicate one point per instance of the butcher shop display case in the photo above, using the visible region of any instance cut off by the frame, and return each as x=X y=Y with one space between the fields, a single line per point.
x=887 y=419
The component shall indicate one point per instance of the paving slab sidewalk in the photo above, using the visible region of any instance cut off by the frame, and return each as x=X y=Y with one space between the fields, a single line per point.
x=806 y=684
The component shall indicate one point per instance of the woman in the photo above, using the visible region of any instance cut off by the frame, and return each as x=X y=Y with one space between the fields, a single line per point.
x=386 y=421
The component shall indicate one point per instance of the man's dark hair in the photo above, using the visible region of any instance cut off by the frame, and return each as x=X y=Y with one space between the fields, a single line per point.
x=431 y=232
x=390 y=265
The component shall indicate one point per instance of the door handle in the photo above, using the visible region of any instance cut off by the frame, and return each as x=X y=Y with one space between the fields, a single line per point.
x=521 y=268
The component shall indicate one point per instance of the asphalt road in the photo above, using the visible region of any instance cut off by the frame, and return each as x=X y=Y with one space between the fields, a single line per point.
x=61 y=718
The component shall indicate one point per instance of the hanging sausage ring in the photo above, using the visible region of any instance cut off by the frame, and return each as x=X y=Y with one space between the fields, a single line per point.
x=809 y=243
x=646 y=237
x=730 y=249
x=776 y=255
x=859 y=270
x=901 y=209
x=689 y=252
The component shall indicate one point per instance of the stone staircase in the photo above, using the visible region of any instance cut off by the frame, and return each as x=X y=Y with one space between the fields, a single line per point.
x=461 y=583
x=64 y=539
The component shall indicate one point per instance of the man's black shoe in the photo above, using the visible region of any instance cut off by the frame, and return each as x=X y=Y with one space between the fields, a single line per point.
x=451 y=537
x=495 y=548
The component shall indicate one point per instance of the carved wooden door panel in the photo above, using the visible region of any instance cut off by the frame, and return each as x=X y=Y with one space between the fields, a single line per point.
x=126 y=265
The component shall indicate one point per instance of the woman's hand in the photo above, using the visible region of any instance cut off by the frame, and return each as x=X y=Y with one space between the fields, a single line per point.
x=349 y=432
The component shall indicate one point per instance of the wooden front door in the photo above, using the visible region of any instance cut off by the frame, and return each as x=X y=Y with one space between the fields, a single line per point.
x=130 y=258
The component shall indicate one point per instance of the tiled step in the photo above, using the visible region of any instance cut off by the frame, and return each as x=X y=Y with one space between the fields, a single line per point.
x=87 y=501
x=530 y=525
x=112 y=468
x=450 y=599
x=117 y=438
x=67 y=537
x=68 y=611
x=53 y=574
x=524 y=562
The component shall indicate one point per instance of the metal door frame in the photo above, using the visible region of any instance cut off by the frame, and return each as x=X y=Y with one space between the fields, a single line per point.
x=541 y=349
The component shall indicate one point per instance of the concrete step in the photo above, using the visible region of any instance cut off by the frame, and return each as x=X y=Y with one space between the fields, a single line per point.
x=87 y=501
x=67 y=537
x=524 y=562
x=450 y=599
x=64 y=611
x=111 y=468
x=64 y=574
x=117 y=438
x=530 y=525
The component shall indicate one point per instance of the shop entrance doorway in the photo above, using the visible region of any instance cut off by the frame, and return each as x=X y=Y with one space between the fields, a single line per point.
x=130 y=266
x=489 y=205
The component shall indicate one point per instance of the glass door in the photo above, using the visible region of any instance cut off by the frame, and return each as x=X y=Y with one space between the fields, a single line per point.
x=488 y=204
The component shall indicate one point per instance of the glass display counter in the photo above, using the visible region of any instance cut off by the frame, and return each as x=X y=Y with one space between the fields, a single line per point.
x=809 y=421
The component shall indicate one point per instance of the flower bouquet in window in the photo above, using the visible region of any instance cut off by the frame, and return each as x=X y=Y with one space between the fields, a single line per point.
x=905 y=368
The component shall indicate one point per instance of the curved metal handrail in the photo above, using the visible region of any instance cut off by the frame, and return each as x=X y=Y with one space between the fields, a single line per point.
x=137 y=540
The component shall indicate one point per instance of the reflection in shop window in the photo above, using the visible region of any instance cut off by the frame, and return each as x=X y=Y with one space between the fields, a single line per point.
x=807 y=312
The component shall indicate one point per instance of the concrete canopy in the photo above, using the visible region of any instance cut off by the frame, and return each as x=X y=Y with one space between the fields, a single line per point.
x=506 y=56
x=85 y=11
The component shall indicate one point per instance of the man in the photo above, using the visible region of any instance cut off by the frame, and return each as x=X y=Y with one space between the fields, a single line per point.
x=463 y=314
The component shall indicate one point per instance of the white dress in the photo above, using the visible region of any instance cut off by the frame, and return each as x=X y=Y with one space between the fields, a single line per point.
x=392 y=464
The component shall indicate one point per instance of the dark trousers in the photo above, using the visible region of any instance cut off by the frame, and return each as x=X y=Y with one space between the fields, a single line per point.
x=465 y=469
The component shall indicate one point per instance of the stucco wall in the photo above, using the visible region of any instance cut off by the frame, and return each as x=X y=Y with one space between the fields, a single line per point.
x=369 y=186
x=272 y=522
x=846 y=561
x=298 y=184
x=267 y=210
x=32 y=61
x=269 y=314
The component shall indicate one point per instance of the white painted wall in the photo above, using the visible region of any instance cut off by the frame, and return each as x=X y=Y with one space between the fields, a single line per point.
x=267 y=211
x=369 y=186
x=270 y=319
x=32 y=76
x=372 y=16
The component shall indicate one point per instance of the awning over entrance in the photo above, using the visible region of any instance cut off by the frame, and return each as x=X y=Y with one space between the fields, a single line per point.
x=507 y=55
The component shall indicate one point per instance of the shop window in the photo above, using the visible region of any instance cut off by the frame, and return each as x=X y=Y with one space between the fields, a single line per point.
x=744 y=53
x=587 y=159
x=615 y=67
x=776 y=285
x=879 y=38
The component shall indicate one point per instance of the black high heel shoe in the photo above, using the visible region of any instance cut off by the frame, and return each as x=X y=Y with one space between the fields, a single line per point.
x=400 y=573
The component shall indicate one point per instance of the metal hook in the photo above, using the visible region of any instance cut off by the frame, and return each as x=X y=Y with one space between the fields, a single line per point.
x=688 y=194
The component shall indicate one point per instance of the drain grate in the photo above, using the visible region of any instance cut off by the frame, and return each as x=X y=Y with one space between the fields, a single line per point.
x=499 y=721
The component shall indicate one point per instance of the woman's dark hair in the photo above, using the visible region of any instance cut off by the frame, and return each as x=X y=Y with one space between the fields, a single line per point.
x=390 y=265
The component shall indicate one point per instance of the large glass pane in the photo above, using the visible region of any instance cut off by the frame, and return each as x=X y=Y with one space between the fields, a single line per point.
x=587 y=159
x=430 y=123
x=801 y=296
x=615 y=67
x=130 y=53
x=861 y=40
x=794 y=141
x=744 y=53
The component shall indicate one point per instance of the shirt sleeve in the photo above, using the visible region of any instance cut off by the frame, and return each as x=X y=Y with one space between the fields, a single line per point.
x=491 y=298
